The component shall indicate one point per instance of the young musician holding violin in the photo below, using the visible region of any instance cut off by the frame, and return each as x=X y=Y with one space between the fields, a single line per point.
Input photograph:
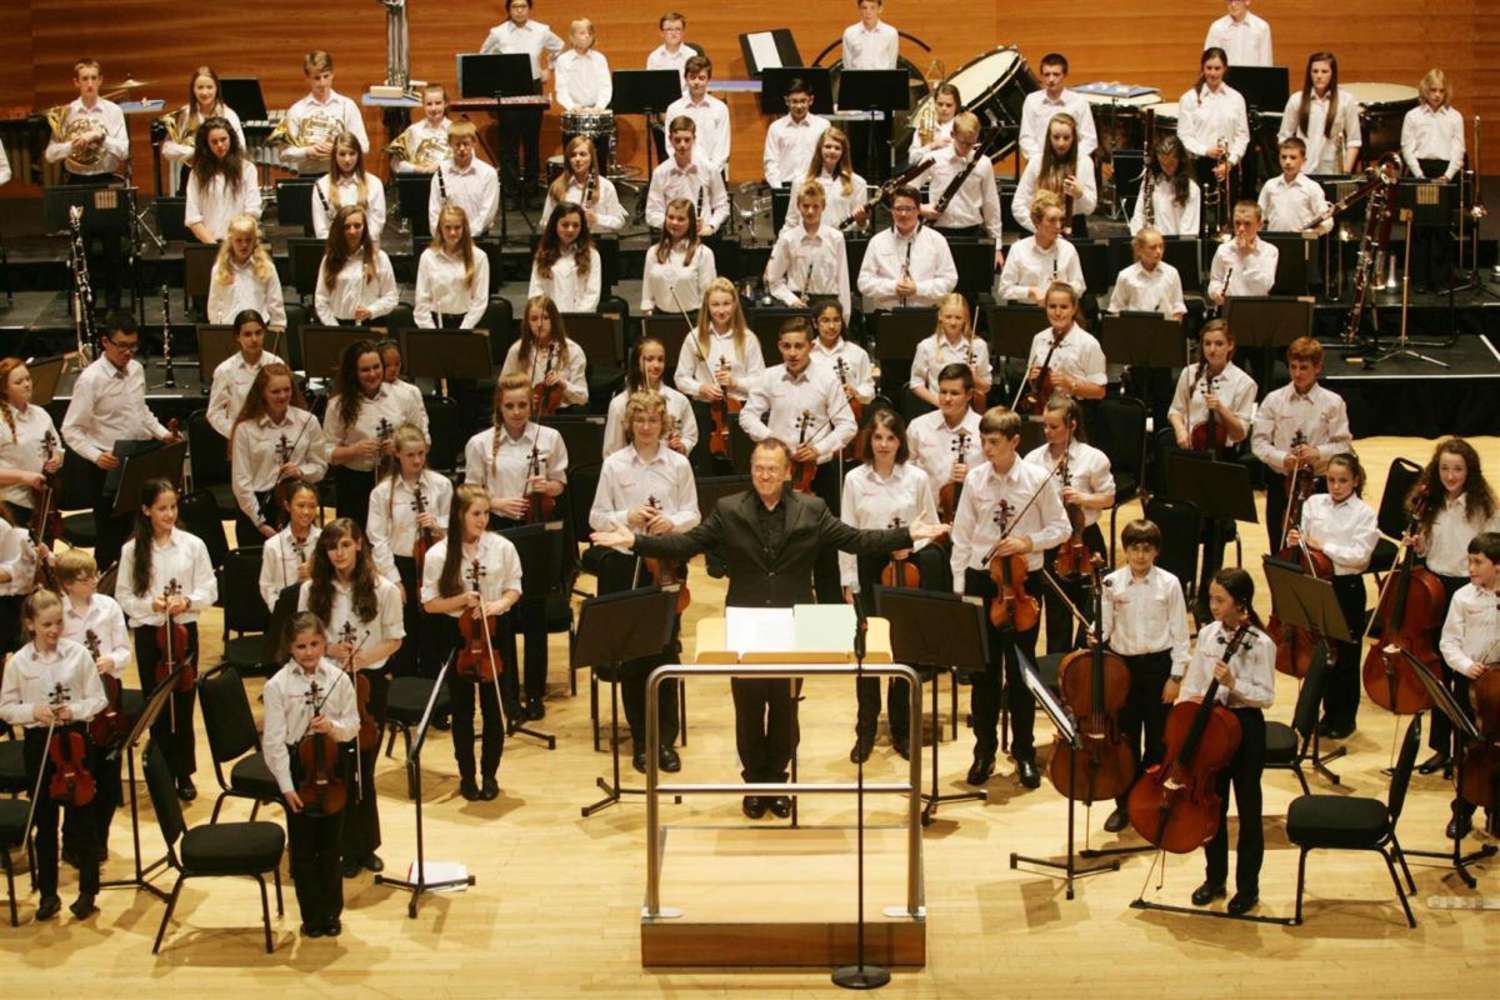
x=649 y=488
x=1087 y=487
x=523 y=467
x=244 y=278
x=566 y=268
x=946 y=442
x=679 y=266
x=1010 y=513
x=310 y=712
x=887 y=491
x=1144 y=620
x=1246 y=685
x=286 y=557
x=164 y=583
x=953 y=342
x=234 y=375
x=720 y=359
x=808 y=261
x=1065 y=358
x=550 y=362
x=473 y=576
x=51 y=689
x=360 y=610
x=1471 y=648
x=1451 y=503
x=408 y=514
x=362 y=415
x=95 y=622
x=1341 y=526
x=30 y=450
x=647 y=364
x=273 y=439
x=1038 y=261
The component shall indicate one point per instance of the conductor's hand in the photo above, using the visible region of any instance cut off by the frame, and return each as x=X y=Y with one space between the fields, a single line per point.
x=618 y=538
x=921 y=532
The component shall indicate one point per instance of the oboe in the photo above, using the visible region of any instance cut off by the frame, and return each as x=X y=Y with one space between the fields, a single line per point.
x=166 y=337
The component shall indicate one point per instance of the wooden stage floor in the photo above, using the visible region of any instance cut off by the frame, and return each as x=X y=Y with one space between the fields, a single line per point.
x=556 y=911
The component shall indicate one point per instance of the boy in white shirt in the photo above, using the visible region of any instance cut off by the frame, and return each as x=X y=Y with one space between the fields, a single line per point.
x=583 y=80
x=671 y=53
x=808 y=261
x=423 y=147
x=709 y=114
x=1293 y=202
x=1246 y=265
x=465 y=181
x=522 y=126
x=870 y=44
x=1245 y=37
x=973 y=211
x=1041 y=105
x=307 y=132
x=686 y=175
x=1470 y=632
x=792 y=138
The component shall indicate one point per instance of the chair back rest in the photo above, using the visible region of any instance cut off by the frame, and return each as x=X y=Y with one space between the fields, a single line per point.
x=1391 y=517
x=209 y=450
x=163 y=791
x=444 y=423
x=1180 y=525
x=1401 y=777
x=198 y=514
x=226 y=714
x=1310 y=698
x=1117 y=427
x=244 y=609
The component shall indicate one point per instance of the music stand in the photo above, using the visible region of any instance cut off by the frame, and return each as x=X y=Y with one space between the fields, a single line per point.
x=243 y=95
x=774 y=81
x=1265 y=88
x=758 y=60
x=646 y=92
x=1012 y=327
x=581 y=435
x=975 y=262
x=897 y=332
x=324 y=346
x=413 y=195
x=539 y=547
x=1304 y=601
x=883 y=92
x=490 y=74
x=446 y=354
x=294 y=204
x=1142 y=339
x=106 y=210
x=143 y=460
x=45 y=377
x=306 y=256
x=614 y=629
x=602 y=338
x=216 y=344
x=157 y=700
x=414 y=782
x=1268 y=324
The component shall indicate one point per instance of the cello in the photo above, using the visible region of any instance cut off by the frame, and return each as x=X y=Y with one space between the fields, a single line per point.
x=172 y=643
x=1295 y=645
x=321 y=787
x=1480 y=783
x=947 y=501
x=1176 y=804
x=668 y=573
x=1410 y=609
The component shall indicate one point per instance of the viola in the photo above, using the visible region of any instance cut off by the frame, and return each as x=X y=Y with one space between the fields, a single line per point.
x=110 y=727
x=547 y=399
x=854 y=451
x=949 y=493
x=900 y=572
x=321 y=787
x=1409 y=610
x=1073 y=558
x=803 y=472
x=1295 y=645
x=1212 y=435
x=541 y=506
x=172 y=643
x=424 y=539
x=668 y=573
x=71 y=783
x=1176 y=804
x=476 y=656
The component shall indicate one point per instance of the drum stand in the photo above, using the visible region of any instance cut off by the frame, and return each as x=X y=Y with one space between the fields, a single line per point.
x=1403 y=346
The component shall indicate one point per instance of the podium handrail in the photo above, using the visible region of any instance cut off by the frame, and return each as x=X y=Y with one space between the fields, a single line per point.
x=911 y=788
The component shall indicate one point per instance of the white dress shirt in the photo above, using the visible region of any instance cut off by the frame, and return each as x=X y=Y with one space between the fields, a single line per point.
x=499 y=568
x=442 y=290
x=184 y=559
x=386 y=625
x=291 y=705
x=324 y=120
x=109 y=405
x=779 y=401
x=24 y=447
x=1432 y=135
x=572 y=291
x=990 y=504
x=329 y=197
x=975 y=203
x=1171 y=219
x=1254 y=272
x=281 y=561
x=838 y=205
x=109 y=156
x=4 y=166
x=1451 y=532
x=679 y=411
x=583 y=80
x=1088 y=472
x=1077 y=354
x=694 y=369
x=1204 y=116
x=871 y=48
x=867 y=501
x=714 y=134
x=1471 y=630
x=32 y=678
x=188 y=121
x=660 y=58
x=629 y=480
x=807 y=265
x=351 y=289
x=379 y=416
x=1037 y=111
x=1146 y=614
x=501 y=463
x=1324 y=153
x=698 y=182
x=531 y=39
x=1292 y=207
x=924 y=252
x=937 y=352
x=857 y=370
x=1028 y=266
x=575 y=381
x=231 y=384
x=1232 y=385
x=256 y=455
x=1320 y=416
x=245 y=290
x=392 y=525
x=17 y=560
x=1347 y=532
x=1026 y=187
x=1157 y=290
x=433 y=138
x=102 y=619
x=1253 y=666
x=918 y=152
x=1247 y=42
x=475 y=189
x=609 y=214
x=676 y=286
x=938 y=447
x=213 y=206
x=411 y=402
x=790 y=146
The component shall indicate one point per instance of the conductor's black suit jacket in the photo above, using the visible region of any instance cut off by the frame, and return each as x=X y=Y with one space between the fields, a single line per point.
x=760 y=576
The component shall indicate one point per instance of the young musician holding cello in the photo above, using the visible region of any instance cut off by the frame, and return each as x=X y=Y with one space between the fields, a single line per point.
x=946 y=442
x=310 y=704
x=274 y=439
x=165 y=582
x=51 y=688
x=360 y=610
x=473 y=575
x=1471 y=648
x=1010 y=513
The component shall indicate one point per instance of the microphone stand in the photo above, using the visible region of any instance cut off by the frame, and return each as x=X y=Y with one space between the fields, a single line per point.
x=860 y=976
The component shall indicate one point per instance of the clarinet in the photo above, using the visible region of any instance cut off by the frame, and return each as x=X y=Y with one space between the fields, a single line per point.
x=83 y=292
x=906 y=263
x=442 y=185
x=166 y=337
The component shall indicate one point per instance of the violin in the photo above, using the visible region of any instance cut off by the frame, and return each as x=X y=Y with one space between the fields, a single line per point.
x=1481 y=764
x=1176 y=804
x=1073 y=558
x=1036 y=392
x=1012 y=607
x=172 y=643
x=109 y=728
x=369 y=730
x=278 y=515
x=1212 y=435
x=384 y=431
x=547 y=399
x=424 y=539
x=854 y=451
x=900 y=572
x=1409 y=609
x=1095 y=684
x=476 y=657
x=948 y=495
x=541 y=506
x=719 y=411
x=1294 y=644
x=803 y=472
x=46 y=520
x=71 y=784
x=322 y=788
x=668 y=573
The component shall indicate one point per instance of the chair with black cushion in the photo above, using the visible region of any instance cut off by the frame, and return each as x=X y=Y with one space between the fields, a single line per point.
x=245 y=612
x=215 y=850
x=13 y=813
x=12 y=766
x=1181 y=525
x=406 y=700
x=233 y=741
x=198 y=514
x=1353 y=823
x=1288 y=746
x=211 y=462
x=1392 y=517
x=1117 y=427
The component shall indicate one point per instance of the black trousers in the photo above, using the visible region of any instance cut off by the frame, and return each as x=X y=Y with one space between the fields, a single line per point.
x=1432 y=246
x=1341 y=692
x=826 y=585
x=932 y=565
x=361 y=836
x=617 y=573
x=520 y=140
x=1440 y=736
x=529 y=619
x=1243 y=773
x=246 y=533
x=313 y=846
x=110 y=531
x=83 y=842
x=419 y=655
x=1143 y=719
x=353 y=493
x=10 y=622
x=173 y=729
x=1064 y=634
x=984 y=695
x=465 y=692
x=108 y=794
x=765 y=726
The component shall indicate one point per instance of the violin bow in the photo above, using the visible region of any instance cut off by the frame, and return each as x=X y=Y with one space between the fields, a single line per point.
x=36 y=793
x=349 y=671
x=1021 y=513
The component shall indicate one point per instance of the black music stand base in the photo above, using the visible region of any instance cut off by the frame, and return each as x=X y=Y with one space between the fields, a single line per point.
x=139 y=880
x=613 y=791
x=861 y=977
x=1069 y=868
x=1142 y=903
x=547 y=739
x=1455 y=855
x=933 y=799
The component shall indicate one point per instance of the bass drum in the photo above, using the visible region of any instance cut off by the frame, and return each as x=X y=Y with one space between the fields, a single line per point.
x=994 y=87
x=1382 y=109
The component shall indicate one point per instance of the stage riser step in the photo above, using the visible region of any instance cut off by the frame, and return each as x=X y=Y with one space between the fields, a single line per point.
x=673 y=943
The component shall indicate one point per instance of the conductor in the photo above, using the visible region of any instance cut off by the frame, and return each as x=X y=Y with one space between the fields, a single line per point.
x=769 y=538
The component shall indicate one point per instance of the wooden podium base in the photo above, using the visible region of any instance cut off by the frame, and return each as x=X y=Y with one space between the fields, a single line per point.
x=774 y=896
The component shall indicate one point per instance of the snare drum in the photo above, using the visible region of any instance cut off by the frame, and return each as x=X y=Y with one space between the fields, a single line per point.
x=1121 y=121
x=596 y=125
x=1382 y=109
x=994 y=87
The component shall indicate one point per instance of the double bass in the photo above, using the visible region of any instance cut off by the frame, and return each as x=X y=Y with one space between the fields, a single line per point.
x=1176 y=804
x=1295 y=645
x=320 y=785
x=1409 y=609
x=172 y=644
x=947 y=500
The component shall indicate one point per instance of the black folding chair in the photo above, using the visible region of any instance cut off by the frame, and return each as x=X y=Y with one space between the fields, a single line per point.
x=233 y=740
